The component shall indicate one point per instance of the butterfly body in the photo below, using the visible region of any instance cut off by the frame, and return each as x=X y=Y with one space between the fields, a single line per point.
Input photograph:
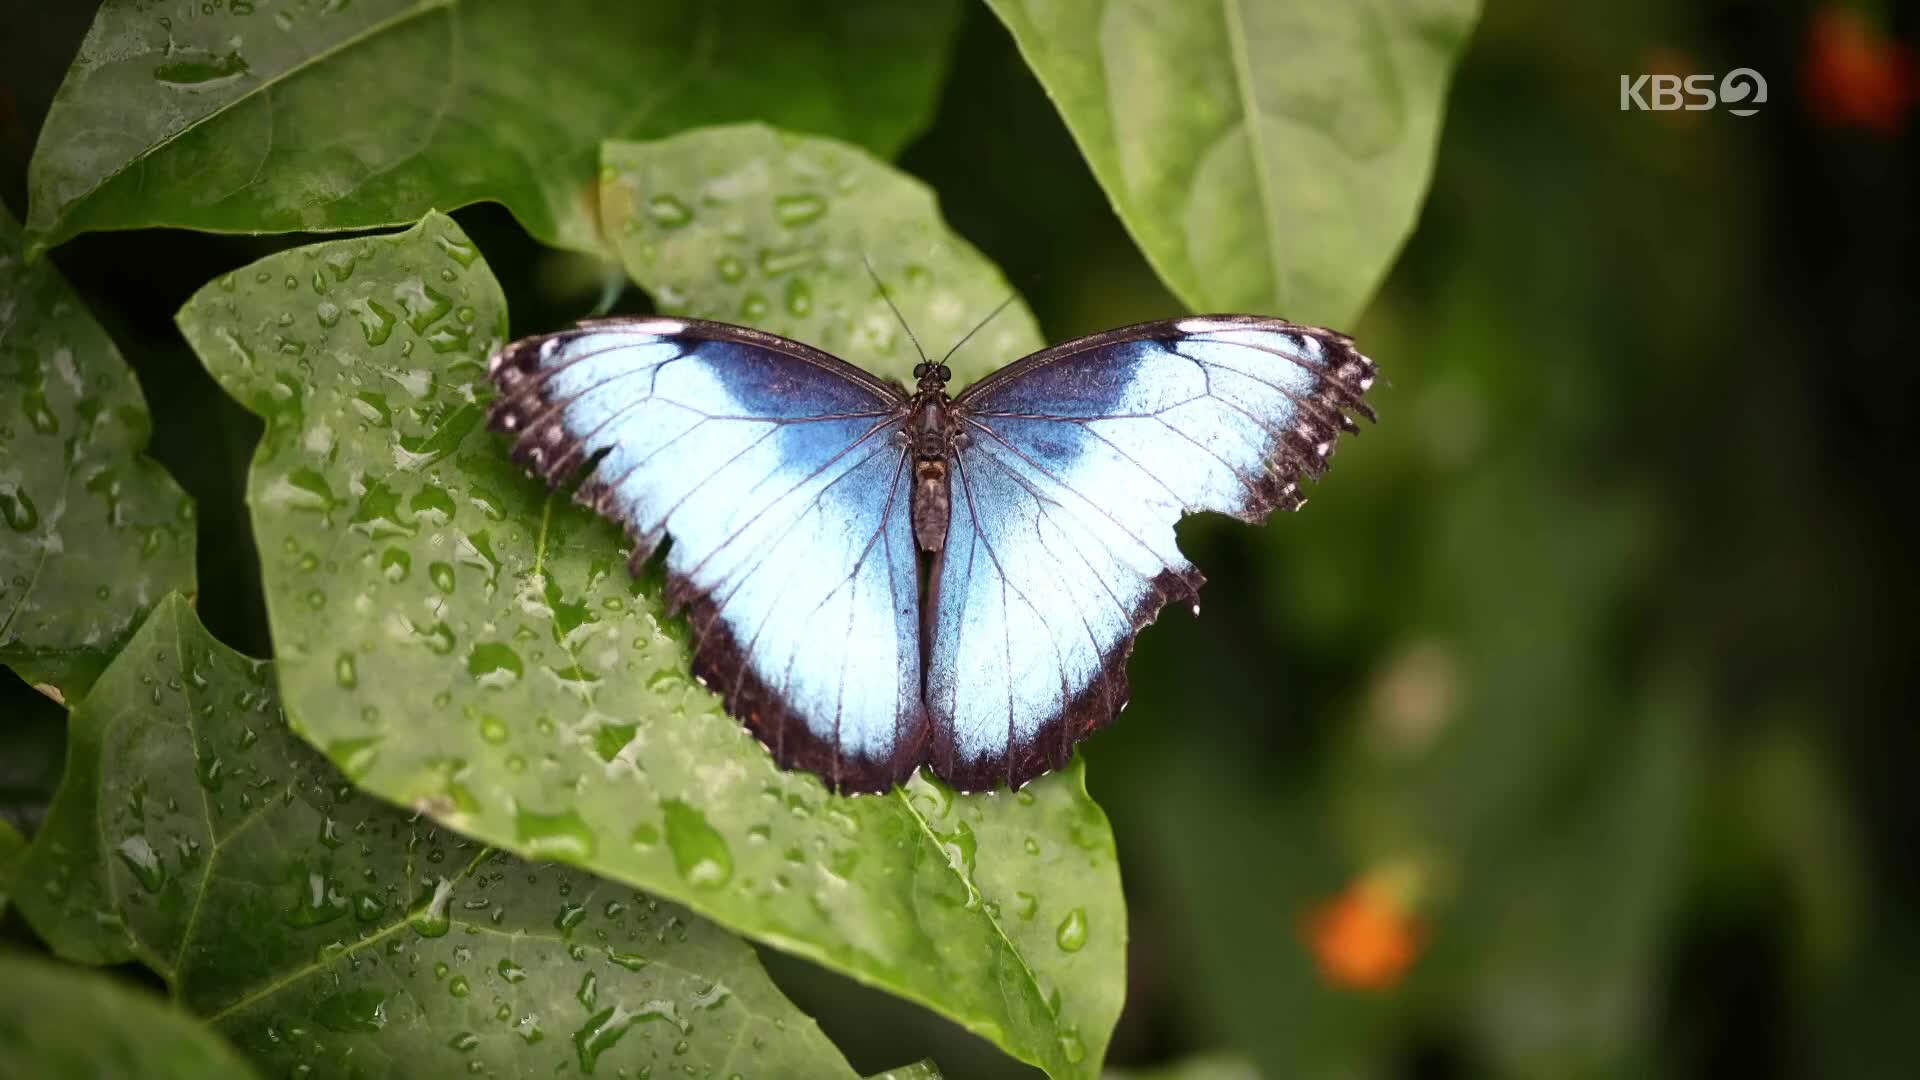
x=931 y=437
x=880 y=578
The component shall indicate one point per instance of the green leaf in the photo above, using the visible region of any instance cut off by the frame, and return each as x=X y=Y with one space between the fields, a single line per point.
x=750 y=225
x=463 y=642
x=57 y=1022
x=1267 y=155
x=255 y=118
x=92 y=532
x=370 y=935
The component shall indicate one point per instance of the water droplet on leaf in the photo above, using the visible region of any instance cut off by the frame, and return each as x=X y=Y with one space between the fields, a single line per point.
x=1072 y=935
x=668 y=212
x=564 y=835
x=139 y=857
x=199 y=69
x=799 y=298
x=700 y=853
x=352 y=1011
x=1071 y=1047
x=794 y=211
x=433 y=920
x=375 y=320
x=18 y=510
x=494 y=664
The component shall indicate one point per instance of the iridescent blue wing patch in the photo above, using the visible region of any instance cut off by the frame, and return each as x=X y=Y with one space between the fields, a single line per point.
x=773 y=468
x=1075 y=465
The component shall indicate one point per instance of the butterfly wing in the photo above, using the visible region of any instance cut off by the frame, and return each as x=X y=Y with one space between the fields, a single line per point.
x=1079 y=460
x=772 y=467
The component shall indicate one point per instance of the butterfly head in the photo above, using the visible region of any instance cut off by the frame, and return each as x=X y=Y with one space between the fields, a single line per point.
x=932 y=376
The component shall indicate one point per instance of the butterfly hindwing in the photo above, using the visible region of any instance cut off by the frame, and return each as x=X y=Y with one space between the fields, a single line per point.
x=1076 y=464
x=772 y=468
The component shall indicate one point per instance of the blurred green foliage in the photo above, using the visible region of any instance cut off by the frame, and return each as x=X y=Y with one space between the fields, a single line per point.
x=57 y=1021
x=1591 y=657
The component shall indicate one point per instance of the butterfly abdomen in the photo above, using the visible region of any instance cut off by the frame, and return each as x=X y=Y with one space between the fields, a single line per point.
x=932 y=503
x=930 y=436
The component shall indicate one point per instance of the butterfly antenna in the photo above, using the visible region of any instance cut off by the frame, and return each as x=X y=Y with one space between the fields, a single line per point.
x=979 y=326
x=888 y=297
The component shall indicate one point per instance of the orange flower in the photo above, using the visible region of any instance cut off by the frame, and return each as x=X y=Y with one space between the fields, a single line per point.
x=1854 y=76
x=1364 y=939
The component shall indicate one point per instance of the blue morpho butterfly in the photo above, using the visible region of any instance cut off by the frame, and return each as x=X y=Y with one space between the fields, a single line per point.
x=882 y=578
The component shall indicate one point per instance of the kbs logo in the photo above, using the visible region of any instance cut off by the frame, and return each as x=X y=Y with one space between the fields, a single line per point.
x=1742 y=88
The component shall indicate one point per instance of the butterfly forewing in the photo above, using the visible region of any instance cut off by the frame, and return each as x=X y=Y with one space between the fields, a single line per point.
x=773 y=468
x=1078 y=462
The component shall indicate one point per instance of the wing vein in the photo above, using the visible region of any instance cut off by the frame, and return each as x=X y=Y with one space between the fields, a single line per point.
x=1006 y=622
x=1044 y=501
x=1064 y=486
x=797 y=485
x=1318 y=408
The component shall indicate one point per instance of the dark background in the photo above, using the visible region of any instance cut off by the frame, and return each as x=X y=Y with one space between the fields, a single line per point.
x=1597 y=649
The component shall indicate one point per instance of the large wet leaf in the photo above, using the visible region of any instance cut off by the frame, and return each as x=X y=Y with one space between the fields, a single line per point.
x=461 y=641
x=1267 y=155
x=374 y=941
x=92 y=532
x=248 y=117
x=750 y=225
x=59 y=1023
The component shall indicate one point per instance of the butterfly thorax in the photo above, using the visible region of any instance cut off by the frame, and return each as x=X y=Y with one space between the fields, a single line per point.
x=930 y=436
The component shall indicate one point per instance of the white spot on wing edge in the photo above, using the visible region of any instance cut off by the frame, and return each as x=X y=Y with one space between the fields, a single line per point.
x=1206 y=326
x=663 y=327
